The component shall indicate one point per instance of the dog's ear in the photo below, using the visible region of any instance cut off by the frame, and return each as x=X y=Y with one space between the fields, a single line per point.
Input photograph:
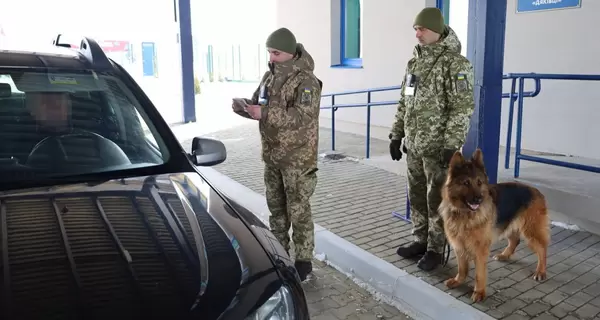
x=457 y=160
x=477 y=158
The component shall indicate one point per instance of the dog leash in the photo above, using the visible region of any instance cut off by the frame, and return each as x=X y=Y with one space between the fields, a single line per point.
x=446 y=248
x=446 y=252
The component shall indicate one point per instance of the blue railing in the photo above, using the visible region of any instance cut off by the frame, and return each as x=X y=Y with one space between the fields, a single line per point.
x=334 y=107
x=520 y=94
x=511 y=108
x=369 y=103
x=514 y=96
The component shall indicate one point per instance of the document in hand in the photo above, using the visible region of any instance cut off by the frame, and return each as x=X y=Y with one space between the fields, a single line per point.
x=240 y=106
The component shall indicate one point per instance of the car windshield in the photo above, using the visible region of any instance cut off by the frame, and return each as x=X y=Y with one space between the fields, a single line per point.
x=55 y=124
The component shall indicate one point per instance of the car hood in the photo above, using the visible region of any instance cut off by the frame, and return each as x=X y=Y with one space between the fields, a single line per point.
x=165 y=244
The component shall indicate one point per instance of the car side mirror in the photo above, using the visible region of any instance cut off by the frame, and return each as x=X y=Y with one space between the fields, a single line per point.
x=208 y=152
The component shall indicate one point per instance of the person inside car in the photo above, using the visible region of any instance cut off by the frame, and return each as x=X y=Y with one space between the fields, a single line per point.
x=64 y=147
x=50 y=110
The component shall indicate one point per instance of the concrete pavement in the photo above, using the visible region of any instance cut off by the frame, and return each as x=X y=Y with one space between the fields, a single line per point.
x=354 y=230
x=333 y=296
x=354 y=200
x=353 y=205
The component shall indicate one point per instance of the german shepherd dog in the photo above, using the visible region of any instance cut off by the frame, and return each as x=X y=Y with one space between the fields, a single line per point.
x=477 y=213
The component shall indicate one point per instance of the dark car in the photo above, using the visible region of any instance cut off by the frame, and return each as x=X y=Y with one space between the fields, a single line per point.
x=103 y=215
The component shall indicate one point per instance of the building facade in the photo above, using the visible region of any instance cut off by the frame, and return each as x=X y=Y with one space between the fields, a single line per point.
x=362 y=44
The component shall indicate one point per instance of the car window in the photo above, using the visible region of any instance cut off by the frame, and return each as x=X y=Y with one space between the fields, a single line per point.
x=59 y=123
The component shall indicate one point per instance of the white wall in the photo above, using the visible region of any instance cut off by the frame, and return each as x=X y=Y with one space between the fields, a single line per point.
x=459 y=21
x=388 y=38
x=225 y=24
x=130 y=20
x=232 y=21
x=562 y=119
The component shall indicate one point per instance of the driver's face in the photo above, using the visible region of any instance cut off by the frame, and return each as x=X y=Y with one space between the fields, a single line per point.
x=50 y=109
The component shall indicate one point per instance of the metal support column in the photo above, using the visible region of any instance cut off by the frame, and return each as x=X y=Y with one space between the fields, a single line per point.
x=187 y=60
x=485 y=50
x=444 y=6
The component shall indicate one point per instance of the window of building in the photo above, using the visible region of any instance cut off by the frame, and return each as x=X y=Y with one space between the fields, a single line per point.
x=351 y=33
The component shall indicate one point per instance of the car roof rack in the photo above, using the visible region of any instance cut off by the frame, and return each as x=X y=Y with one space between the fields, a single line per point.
x=91 y=50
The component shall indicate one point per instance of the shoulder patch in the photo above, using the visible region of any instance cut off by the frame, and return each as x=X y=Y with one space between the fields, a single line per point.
x=306 y=95
x=461 y=82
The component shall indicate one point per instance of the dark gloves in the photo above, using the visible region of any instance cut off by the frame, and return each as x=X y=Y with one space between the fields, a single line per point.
x=446 y=156
x=395 y=152
x=395 y=146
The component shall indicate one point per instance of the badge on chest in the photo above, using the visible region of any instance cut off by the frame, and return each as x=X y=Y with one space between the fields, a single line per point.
x=263 y=96
x=410 y=85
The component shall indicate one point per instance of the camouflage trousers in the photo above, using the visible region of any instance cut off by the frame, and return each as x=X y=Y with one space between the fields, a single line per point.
x=426 y=176
x=288 y=193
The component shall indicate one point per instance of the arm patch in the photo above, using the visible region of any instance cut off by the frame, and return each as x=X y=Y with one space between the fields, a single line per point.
x=306 y=96
x=462 y=84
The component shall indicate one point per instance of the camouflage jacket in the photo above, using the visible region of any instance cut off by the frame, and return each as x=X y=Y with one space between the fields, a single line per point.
x=437 y=115
x=289 y=124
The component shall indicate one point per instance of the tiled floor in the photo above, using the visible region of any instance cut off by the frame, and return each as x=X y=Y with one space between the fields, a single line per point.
x=332 y=296
x=355 y=201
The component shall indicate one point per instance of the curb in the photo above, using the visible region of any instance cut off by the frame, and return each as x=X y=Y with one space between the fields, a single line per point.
x=411 y=295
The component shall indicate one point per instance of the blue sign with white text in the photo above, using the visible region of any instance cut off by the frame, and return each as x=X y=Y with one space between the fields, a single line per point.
x=543 y=5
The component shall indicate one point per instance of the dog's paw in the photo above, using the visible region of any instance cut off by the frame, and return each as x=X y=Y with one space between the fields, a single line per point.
x=478 y=296
x=539 y=275
x=501 y=257
x=452 y=283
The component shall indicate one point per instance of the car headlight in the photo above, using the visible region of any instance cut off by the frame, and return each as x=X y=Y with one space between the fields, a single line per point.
x=280 y=306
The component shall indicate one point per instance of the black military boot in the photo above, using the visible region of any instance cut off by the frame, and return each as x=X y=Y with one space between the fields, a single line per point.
x=412 y=250
x=429 y=261
x=303 y=268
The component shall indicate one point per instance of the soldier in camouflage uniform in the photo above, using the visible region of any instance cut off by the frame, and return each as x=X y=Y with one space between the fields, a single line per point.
x=287 y=105
x=434 y=111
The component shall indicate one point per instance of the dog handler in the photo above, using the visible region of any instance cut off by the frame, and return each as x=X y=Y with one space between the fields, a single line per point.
x=435 y=107
x=287 y=105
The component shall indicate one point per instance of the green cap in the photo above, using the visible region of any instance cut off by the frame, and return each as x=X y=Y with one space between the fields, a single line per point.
x=283 y=40
x=432 y=19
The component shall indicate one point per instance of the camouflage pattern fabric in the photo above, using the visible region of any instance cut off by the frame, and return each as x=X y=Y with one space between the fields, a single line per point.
x=289 y=129
x=434 y=111
x=426 y=175
x=436 y=116
x=288 y=198
x=289 y=124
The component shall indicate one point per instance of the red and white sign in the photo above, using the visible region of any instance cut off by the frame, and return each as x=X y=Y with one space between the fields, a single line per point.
x=109 y=45
x=114 y=45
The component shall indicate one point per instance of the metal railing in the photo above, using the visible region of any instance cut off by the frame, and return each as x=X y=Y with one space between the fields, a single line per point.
x=520 y=77
x=515 y=95
x=369 y=103
x=511 y=108
x=334 y=107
